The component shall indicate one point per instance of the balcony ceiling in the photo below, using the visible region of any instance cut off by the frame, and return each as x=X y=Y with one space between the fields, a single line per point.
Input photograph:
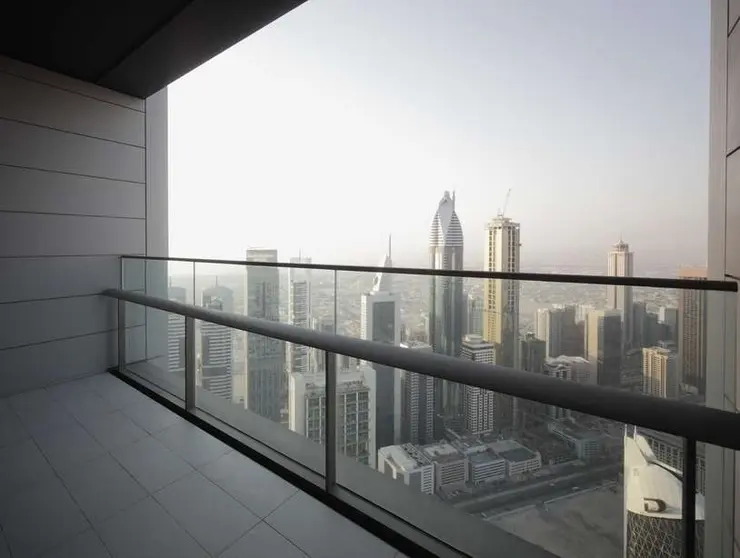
x=136 y=47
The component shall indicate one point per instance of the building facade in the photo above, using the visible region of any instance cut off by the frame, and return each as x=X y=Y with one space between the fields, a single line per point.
x=660 y=372
x=176 y=334
x=501 y=296
x=266 y=383
x=299 y=314
x=692 y=335
x=479 y=405
x=216 y=345
x=380 y=321
x=604 y=342
x=417 y=402
x=406 y=463
x=620 y=263
x=446 y=300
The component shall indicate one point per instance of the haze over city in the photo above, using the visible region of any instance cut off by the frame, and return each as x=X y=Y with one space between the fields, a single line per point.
x=344 y=124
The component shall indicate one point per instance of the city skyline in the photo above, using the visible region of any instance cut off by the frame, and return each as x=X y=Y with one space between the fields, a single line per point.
x=305 y=125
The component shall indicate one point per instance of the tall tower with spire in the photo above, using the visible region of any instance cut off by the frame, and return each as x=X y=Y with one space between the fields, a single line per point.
x=620 y=263
x=380 y=321
x=446 y=300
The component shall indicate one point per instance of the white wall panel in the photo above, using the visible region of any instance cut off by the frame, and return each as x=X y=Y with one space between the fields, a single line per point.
x=23 y=145
x=51 y=107
x=34 y=234
x=31 y=190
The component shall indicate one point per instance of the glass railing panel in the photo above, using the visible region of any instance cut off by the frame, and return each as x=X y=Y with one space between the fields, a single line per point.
x=155 y=348
x=250 y=392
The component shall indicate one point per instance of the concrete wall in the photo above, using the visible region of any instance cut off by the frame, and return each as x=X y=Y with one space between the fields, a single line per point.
x=83 y=179
x=723 y=467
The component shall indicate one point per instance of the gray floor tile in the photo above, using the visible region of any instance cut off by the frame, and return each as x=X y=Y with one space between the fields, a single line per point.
x=145 y=530
x=114 y=429
x=254 y=486
x=68 y=446
x=116 y=392
x=22 y=465
x=85 y=406
x=321 y=532
x=11 y=427
x=263 y=542
x=151 y=416
x=40 y=413
x=192 y=444
x=39 y=519
x=151 y=463
x=101 y=488
x=212 y=517
x=66 y=390
x=84 y=545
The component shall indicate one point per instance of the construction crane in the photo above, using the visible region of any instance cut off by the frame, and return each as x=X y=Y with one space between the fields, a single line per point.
x=502 y=213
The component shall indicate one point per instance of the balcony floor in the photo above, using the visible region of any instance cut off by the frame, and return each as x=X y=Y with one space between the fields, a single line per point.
x=93 y=468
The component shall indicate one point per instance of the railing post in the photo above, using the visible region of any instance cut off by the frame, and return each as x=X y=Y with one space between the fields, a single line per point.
x=121 y=336
x=330 y=434
x=689 y=498
x=189 y=364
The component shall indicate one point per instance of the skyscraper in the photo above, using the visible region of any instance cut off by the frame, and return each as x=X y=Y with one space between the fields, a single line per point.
x=176 y=334
x=417 y=402
x=317 y=357
x=557 y=328
x=446 y=301
x=619 y=297
x=527 y=413
x=479 y=405
x=216 y=355
x=604 y=342
x=266 y=384
x=474 y=315
x=501 y=296
x=299 y=313
x=380 y=320
x=692 y=333
x=660 y=372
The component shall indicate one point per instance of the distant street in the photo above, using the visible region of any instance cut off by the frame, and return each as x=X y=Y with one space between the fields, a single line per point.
x=545 y=489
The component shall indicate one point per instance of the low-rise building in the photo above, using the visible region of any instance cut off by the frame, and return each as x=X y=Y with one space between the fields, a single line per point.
x=450 y=465
x=486 y=467
x=587 y=444
x=409 y=465
x=519 y=459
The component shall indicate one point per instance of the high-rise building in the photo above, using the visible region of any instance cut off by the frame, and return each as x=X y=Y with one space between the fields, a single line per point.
x=355 y=411
x=660 y=372
x=216 y=345
x=266 y=384
x=604 y=343
x=501 y=296
x=668 y=316
x=417 y=402
x=557 y=328
x=692 y=333
x=299 y=314
x=380 y=321
x=474 y=315
x=619 y=297
x=446 y=302
x=479 y=405
x=653 y=504
x=527 y=413
x=317 y=357
x=562 y=371
x=176 y=334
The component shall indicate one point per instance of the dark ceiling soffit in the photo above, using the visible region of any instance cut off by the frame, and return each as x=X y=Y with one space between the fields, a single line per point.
x=203 y=29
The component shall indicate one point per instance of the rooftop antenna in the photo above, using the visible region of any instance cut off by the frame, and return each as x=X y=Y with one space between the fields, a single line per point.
x=453 y=200
x=502 y=212
x=389 y=245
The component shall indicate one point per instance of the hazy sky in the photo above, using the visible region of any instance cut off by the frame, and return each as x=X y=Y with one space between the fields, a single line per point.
x=346 y=120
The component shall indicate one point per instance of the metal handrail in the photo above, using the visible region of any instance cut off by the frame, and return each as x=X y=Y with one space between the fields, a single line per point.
x=652 y=282
x=694 y=422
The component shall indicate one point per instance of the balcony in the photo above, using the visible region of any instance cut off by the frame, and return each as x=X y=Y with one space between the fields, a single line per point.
x=540 y=461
